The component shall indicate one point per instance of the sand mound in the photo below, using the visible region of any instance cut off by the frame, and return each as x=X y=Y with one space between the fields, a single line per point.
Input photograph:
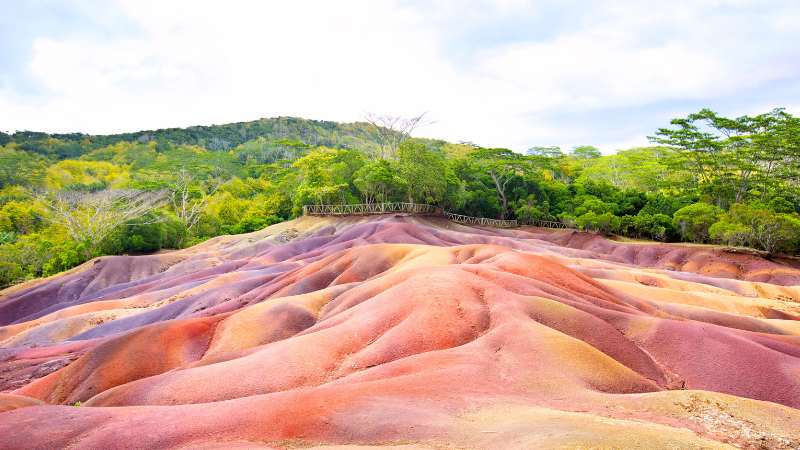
x=406 y=332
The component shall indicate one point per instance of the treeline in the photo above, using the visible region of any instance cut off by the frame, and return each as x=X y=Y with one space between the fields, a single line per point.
x=67 y=198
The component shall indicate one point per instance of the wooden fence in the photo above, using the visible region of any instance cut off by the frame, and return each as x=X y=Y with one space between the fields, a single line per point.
x=400 y=207
x=467 y=220
x=369 y=208
x=550 y=224
x=363 y=209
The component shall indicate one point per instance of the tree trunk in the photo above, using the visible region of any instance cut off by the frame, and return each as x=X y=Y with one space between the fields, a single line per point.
x=501 y=193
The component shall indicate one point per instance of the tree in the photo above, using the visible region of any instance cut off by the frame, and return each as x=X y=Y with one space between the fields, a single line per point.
x=325 y=175
x=732 y=160
x=585 y=152
x=693 y=221
x=21 y=217
x=378 y=181
x=391 y=131
x=90 y=217
x=645 y=169
x=547 y=152
x=189 y=198
x=85 y=175
x=605 y=223
x=20 y=167
x=501 y=165
x=423 y=171
x=728 y=233
x=528 y=210
x=653 y=226
x=756 y=225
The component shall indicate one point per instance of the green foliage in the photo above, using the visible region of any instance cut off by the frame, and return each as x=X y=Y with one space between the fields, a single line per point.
x=605 y=223
x=658 y=227
x=379 y=181
x=757 y=225
x=735 y=160
x=147 y=234
x=85 y=175
x=325 y=176
x=693 y=221
x=423 y=171
x=502 y=166
x=21 y=217
x=735 y=234
x=21 y=168
x=586 y=152
x=529 y=211
x=644 y=169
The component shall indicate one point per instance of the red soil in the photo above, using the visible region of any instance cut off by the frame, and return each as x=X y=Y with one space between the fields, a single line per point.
x=399 y=330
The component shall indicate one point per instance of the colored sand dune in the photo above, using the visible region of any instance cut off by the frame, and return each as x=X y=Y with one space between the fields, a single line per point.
x=405 y=332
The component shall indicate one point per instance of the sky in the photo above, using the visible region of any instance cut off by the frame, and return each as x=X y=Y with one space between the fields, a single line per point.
x=504 y=73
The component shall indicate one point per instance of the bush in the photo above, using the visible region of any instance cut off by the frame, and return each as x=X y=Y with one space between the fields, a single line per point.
x=730 y=233
x=10 y=273
x=593 y=204
x=693 y=221
x=252 y=223
x=756 y=225
x=654 y=226
x=528 y=212
x=604 y=223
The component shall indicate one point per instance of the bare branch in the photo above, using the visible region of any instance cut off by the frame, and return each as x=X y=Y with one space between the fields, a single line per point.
x=90 y=217
x=391 y=131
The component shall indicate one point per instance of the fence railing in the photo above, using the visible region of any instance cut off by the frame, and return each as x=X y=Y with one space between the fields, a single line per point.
x=550 y=224
x=369 y=208
x=401 y=207
x=469 y=220
x=418 y=208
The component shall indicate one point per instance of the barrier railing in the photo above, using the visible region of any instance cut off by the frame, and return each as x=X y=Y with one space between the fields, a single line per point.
x=368 y=208
x=469 y=220
x=361 y=209
x=550 y=224
x=401 y=207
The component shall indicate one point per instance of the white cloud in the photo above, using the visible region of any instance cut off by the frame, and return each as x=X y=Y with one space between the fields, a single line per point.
x=197 y=62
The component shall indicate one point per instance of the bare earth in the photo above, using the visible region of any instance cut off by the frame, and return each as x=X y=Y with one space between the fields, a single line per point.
x=406 y=333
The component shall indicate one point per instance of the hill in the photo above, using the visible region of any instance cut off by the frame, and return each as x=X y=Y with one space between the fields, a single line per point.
x=410 y=332
x=213 y=137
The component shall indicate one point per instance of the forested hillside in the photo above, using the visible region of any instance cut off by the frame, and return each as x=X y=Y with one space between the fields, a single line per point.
x=66 y=198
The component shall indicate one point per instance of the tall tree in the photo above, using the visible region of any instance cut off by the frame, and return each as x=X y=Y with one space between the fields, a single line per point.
x=378 y=181
x=730 y=157
x=423 y=170
x=585 y=152
x=501 y=165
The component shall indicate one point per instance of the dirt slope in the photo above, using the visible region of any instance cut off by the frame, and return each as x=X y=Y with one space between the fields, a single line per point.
x=404 y=332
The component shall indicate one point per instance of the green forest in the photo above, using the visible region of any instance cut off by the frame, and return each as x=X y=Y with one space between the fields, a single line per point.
x=66 y=198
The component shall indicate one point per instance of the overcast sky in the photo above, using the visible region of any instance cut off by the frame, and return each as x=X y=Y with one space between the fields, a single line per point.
x=498 y=73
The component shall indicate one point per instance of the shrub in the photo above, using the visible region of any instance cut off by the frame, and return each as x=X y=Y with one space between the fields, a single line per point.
x=654 y=226
x=693 y=221
x=604 y=223
x=730 y=233
x=758 y=226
